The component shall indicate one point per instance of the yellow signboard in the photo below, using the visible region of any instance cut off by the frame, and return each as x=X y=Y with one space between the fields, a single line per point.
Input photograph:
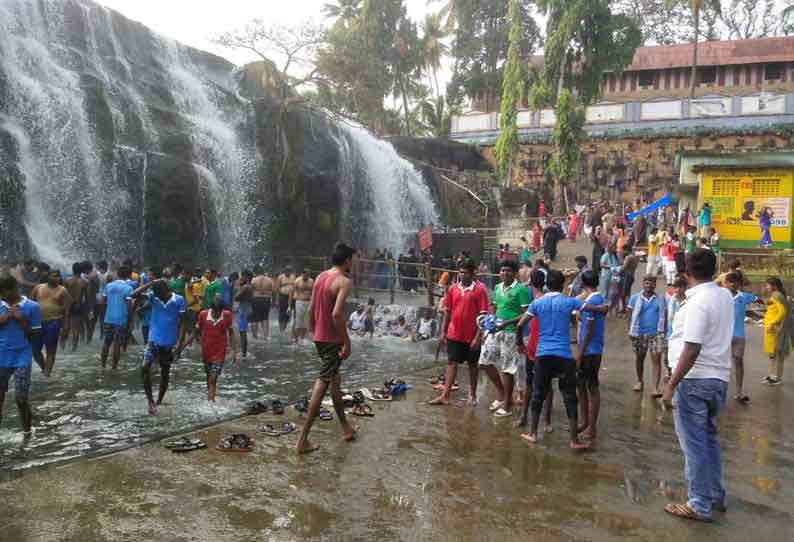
x=738 y=196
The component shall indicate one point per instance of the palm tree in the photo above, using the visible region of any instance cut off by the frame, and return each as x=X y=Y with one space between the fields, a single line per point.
x=433 y=49
x=344 y=10
x=697 y=6
x=437 y=117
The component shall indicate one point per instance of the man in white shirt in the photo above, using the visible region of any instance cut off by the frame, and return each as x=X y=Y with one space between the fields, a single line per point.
x=700 y=346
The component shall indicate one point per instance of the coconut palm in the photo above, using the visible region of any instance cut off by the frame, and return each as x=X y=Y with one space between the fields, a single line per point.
x=344 y=10
x=696 y=6
x=433 y=49
x=437 y=117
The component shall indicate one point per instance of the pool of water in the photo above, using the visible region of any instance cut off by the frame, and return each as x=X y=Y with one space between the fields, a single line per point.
x=82 y=409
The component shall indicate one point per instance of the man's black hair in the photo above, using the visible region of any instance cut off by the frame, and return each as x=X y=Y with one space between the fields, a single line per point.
x=77 y=268
x=247 y=273
x=581 y=259
x=590 y=279
x=537 y=279
x=467 y=265
x=341 y=253
x=509 y=263
x=123 y=272
x=701 y=264
x=102 y=264
x=555 y=280
x=8 y=283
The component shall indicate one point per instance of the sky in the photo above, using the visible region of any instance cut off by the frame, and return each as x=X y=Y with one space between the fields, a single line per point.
x=195 y=22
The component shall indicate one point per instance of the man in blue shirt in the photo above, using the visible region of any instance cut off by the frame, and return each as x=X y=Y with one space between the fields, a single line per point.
x=591 y=346
x=647 y=329
x=168 y=309
x=734 y=281
x=20 y=324
x=553 y=357
x=116 y=326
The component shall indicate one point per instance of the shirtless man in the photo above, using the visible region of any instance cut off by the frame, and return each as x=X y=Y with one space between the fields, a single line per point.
x=327 y=320
x=244 y=295
x=54 y=301
x=91 y=312
x=285 y=284
x=261 y=300
x=302 y=295
x=78 y=289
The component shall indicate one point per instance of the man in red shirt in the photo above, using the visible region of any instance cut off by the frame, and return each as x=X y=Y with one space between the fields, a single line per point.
x=215 y=325
x=463 y=303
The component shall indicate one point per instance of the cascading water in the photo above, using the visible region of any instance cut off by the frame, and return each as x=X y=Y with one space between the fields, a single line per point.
x=383 y=198
x=102 y=113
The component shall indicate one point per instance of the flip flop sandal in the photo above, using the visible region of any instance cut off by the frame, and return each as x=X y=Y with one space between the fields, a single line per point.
x=182 y=441
x=685 y=512
x=302 y=405
x=238 y=442
x=362 y=410
x=278 y=407
x=438 y=379
x=326 y=415
x=744 y=399
x=257 y=407
x=328 y=402
x=287 y=428
x=268 y=430
x=358 y=398
x=376 y=395
x=189 y=447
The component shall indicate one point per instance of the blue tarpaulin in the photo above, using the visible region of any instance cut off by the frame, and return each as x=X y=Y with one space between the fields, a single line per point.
x=667 y=199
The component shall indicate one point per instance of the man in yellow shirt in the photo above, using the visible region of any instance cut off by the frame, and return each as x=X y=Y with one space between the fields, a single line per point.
x=194 y=298
x=652 y=267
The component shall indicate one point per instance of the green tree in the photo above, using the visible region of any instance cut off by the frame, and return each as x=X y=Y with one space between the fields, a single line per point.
x=479 y=47
x=437 y=117
x=512 y=95
x=433 y=48
x=585 y=39
x=697 y=6
x=406 y=64
x=787 y=19
x=344 y=11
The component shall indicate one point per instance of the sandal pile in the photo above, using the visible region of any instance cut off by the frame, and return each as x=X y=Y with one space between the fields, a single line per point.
x=237 y=442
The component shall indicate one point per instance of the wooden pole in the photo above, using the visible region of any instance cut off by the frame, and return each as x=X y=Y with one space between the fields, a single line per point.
x=392 y=280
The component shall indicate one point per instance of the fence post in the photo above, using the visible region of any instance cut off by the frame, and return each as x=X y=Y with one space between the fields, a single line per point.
x=392 y=280
x=355 y=275
x=429 y=284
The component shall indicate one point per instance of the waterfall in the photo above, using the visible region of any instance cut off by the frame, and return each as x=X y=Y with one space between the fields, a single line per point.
x=383 y=197
x=89 y=98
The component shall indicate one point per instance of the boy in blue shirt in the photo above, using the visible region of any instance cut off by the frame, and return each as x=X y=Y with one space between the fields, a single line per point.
x=647 y=330
x=168 y=309
x=20 y=324
x=553 y=357
x=116 y=326
x=734 y=281
x=591 y=347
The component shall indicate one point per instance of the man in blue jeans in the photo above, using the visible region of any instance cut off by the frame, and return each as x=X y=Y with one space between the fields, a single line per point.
x=700 y=344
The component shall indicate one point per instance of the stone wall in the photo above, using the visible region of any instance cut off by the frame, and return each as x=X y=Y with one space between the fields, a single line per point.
x=626 y=168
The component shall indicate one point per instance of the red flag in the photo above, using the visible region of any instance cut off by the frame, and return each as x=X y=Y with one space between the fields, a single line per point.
x=425 y=238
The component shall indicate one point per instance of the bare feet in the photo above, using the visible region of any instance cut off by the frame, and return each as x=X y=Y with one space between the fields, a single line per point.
x=152 y=409
x=440 y=400
x=471 y=401
x=656 y=395
x=589 y=434
x=520 y=423
x=576 y=445
x=637 y=386
x=349 y=433
x=307 y=448
x=529 y=437
x=548 y=428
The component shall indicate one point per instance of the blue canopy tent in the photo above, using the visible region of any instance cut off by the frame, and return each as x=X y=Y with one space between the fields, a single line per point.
x=667 y=199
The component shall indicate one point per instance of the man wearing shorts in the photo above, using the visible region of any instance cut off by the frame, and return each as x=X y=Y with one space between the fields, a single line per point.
x=167 y=309
x=215 y=325
x=499 y=353
x=591 y=347
x=648 y=330
x=553 y=357
x=741 y=299
x=243 y=298
x=285 y=285
x=327 y=320
x=302 y=295
x=54 y=303
x=20 y=323
x=260 y=301
x=78 y=290
x=117 y=310
x=464 y=302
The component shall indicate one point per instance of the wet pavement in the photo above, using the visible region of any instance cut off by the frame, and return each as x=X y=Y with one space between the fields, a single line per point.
x=425 y=473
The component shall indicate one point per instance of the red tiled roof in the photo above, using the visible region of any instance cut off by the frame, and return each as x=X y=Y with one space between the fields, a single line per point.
x=714 y=53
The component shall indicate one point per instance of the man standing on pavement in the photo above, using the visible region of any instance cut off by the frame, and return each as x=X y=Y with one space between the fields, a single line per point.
x=499 y=352
x=285 y=285
x=327 y=320
x=465 y=300
x=54 y=303
x=700 y=346
x=20 y=323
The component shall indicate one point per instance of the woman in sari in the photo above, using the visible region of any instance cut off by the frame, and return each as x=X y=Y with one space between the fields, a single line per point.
x=777 y=330
x=765 y=222
x=573 y=226
x=534 y=241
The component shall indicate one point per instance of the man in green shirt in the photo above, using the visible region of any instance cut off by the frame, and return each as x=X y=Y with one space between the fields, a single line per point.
x=214 y=287
x=499 y=354
x=177 y=284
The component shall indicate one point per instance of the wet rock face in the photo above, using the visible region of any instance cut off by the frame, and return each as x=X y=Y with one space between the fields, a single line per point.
x=115 y=142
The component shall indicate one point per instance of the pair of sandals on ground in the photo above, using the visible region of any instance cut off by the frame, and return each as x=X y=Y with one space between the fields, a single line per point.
x=236 y=442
